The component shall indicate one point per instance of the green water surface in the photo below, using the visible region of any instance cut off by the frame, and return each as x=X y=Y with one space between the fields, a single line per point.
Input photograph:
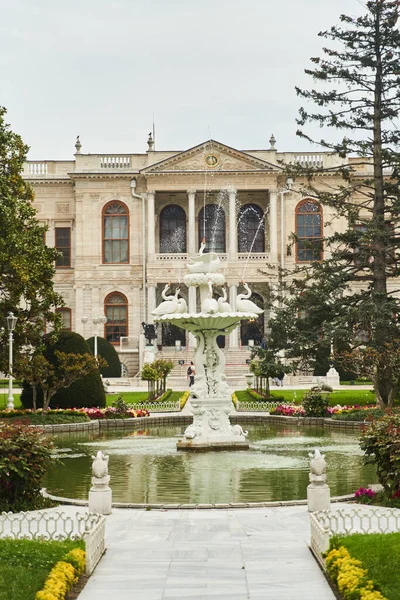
x=145 y=465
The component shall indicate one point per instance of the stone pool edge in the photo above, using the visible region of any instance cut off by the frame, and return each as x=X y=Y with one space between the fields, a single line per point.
x=178 y=419
x=183 y=506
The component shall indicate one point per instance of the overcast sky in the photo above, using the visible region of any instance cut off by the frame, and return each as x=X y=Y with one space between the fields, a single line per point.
x=222 y=69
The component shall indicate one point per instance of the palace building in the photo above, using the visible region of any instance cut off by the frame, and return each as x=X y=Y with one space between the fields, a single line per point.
x=125 y=224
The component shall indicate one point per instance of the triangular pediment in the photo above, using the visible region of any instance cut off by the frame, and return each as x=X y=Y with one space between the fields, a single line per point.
x=211 y=156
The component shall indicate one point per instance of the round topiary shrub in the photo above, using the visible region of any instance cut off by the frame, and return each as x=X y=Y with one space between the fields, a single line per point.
x=86 y=391
x=109 y=353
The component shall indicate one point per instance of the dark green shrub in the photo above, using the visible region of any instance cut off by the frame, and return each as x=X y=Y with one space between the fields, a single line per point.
x=87 y=391
x=110 y=355
x=25 y=456
x=315 y=404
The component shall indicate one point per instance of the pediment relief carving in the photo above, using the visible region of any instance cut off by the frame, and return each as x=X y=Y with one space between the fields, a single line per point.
x=211 y=158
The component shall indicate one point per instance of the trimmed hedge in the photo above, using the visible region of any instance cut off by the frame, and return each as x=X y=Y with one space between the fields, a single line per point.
x=109 y=353
x=87 y=391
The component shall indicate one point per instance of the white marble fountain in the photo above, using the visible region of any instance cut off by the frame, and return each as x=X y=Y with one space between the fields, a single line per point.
x=210 y=400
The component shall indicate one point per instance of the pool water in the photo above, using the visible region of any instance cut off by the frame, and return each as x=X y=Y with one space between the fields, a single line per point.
x=145 y=466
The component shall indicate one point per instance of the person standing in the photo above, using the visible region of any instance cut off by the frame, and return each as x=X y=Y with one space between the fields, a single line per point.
x=191 y=372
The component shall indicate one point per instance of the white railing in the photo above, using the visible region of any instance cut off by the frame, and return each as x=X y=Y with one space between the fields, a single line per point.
x=157 y=406
x=253 y=256
x=257 y=406
x=115 y=162
x=310 y=160
x=37 y=168
x=346 y=521
x=58 y=526
x=162 y=257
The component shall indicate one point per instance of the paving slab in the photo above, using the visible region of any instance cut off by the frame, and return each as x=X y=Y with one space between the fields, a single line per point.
x=234 y=554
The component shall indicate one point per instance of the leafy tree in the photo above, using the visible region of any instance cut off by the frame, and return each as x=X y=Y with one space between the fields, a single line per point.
x=67 y=369
x=265 y=365
x=26 y=264
x=74 y=373
x=351 y=296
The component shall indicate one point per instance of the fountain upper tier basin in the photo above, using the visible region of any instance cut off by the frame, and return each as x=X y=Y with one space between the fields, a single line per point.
x=224 y=322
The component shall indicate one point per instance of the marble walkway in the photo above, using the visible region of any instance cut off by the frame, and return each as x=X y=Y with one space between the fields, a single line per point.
x=237 y=554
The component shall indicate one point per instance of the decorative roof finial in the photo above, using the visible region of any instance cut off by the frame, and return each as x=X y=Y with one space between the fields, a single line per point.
x=78 y=145
x=150 y=143
x=272 y=142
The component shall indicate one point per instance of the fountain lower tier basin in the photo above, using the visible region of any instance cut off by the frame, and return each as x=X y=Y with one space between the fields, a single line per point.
x=145 y=466
x=212 y=444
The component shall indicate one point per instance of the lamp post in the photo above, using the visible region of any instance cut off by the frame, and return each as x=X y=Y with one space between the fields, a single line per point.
x=11 y=322
x=96 y=321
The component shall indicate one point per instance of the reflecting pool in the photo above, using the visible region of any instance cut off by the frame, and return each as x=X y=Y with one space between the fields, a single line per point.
x=145 y=465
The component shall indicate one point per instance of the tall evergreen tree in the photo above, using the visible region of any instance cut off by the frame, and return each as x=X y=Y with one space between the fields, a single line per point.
x=26 y=263
x=352 y=295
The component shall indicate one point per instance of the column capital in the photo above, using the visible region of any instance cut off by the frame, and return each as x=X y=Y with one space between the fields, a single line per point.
x=273 y=192
x=191 y=190
x=232 y=191
x=150 y=193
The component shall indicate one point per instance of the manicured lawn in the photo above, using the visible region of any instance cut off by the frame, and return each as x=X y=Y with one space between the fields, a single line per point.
x=3 y=399
x=129 y=397
x=134 y=397
x=344 y=397
x=380 y=554
x=25 y=565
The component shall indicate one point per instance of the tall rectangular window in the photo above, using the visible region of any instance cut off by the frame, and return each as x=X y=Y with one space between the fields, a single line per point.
x=63 y=245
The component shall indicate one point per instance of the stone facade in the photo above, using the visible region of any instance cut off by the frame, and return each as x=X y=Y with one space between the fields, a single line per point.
x=74 y=195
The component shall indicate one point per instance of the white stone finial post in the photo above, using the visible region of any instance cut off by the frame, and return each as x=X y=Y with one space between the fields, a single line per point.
x=318 y=492
x=100 y=495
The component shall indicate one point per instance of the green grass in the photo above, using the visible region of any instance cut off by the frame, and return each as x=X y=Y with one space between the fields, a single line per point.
x=135 y=397
x=3 y=400
x=25 y=565
x=345 y=397
x=380 y=554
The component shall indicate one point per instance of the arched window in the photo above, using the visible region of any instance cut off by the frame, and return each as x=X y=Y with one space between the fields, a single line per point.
x=308 y=231
x=212 y=227
x=116 y=311
x=172 y=229
x=251 y=229
x=115 y=233
x=66 y=318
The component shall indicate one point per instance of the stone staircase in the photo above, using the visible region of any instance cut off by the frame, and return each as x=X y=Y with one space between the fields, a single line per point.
x=236 y=366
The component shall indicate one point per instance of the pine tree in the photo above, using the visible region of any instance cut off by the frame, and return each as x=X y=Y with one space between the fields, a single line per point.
x=351 y=296
x=26 y=264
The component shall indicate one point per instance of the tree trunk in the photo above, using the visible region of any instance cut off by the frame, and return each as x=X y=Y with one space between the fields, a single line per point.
x=34 y=393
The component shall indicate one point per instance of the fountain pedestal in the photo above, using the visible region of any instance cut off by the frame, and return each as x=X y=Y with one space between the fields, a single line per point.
x=210 y=399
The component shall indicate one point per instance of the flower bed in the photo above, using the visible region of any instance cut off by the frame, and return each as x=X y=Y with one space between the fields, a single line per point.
x=288 y=410
x=63 y=576
x=350 y=576
x=113 y=413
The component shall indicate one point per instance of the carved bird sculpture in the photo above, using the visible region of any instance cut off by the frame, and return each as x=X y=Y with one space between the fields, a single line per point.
x=182 y=306
x=209 y=304
x=223 y=305
x=169 y=306
x=243 y=304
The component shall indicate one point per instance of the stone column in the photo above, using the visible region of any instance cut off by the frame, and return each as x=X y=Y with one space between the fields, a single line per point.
x=273 y=226
x=191 y=231
x=151 y=225
x=234 y=335
x=151 y=302
x=79 y=326
x=192 y=309
x=232 y=225
x=50 y=235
